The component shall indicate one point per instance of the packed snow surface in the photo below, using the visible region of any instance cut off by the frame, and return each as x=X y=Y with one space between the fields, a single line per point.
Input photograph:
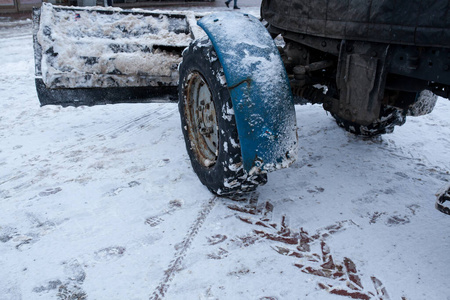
x=101 y=202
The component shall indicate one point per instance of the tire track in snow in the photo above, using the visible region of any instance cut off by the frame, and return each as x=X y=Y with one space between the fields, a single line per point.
x=152 y=117
x=138 y=123
x=181 y=250
x=421 y=162
x=310 y=252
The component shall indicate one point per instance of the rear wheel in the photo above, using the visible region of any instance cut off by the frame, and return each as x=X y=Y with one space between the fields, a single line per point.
x=414 y=104
x=208 y=123
x=443 y=201
x=389 y=118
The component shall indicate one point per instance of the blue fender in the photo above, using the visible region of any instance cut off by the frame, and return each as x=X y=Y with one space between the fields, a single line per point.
x=259 y=88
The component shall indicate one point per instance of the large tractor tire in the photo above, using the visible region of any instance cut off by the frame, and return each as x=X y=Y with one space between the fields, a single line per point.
x=208 y=123
x=389 y=118
x=443 y=200
x=421 y=104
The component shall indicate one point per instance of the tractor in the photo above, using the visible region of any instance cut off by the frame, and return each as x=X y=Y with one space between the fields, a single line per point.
x=236 y=78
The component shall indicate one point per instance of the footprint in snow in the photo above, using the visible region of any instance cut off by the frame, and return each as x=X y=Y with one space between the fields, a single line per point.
x=110 y=253
x=216 y=239
x=49 y=192
x=397 y=220
x=153 y=221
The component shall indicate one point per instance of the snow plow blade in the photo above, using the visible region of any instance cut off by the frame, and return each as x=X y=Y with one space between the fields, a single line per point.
x=92 y=56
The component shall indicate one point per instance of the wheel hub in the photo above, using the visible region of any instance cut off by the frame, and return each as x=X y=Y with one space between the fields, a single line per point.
x=202 y=120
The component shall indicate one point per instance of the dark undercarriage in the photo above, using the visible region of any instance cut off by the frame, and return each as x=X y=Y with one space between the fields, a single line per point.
x=369 y=55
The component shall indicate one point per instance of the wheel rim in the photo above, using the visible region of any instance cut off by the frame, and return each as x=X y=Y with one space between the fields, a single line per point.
x=201 y=120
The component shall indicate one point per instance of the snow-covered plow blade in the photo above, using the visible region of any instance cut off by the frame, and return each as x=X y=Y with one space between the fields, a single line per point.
x=90 y=56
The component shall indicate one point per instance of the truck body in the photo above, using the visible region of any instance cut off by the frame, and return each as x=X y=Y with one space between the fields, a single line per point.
x=377 y=53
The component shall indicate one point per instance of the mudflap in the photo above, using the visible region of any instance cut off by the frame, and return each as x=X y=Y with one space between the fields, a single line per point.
x=94 y=55
x=259 y=87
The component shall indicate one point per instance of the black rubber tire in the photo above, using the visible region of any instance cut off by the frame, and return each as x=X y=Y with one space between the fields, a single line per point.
x=225 y=176
x=443 y=197
x=389 y=118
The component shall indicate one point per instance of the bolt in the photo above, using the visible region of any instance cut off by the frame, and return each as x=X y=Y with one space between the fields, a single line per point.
x=206 y=130
x=324 y=43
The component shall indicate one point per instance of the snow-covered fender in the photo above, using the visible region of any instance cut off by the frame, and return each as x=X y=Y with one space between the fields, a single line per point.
x=259 y=88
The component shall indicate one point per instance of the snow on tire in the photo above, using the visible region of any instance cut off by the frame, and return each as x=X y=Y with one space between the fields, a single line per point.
x=443 y=200
x=209 y=125
x=389 y=118
x=424 y=104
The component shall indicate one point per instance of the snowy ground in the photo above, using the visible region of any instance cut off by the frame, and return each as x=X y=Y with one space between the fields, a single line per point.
x=101 y=203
